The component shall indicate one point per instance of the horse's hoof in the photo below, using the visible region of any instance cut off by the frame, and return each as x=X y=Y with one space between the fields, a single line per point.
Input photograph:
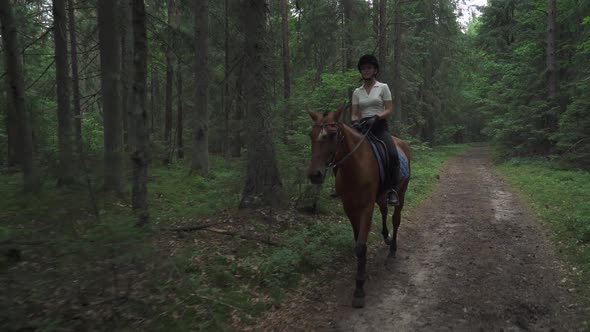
x=358 y=302
x=391 y=255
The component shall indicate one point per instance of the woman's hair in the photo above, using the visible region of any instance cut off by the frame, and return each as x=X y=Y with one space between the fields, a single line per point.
x=368 y=59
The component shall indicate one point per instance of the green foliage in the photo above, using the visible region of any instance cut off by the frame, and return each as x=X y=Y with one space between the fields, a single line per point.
x=305 y=250
x=509 y=88
x=174 y=193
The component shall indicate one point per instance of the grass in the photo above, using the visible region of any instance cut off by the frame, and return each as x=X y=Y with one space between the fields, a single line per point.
x=102 y=273
x=560 y=198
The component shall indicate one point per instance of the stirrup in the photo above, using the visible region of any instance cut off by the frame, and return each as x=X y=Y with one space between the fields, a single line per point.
x=392 y=198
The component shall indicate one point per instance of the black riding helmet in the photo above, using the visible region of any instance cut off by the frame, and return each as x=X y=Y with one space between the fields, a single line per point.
x=368 y=59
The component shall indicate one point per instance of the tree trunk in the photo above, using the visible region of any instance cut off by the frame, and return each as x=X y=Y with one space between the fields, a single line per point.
x=169 y=82
x=376 y=19
x=65 y=134
x=179 y=120
x=382 y=41
x=110 y=62
x=12 y=124
x=75 y=77
x=200 y=149
x=348 y=57
x=225 y=98
x=16 y=92
x=286 y=69
x=239 y=105
x=155 y=86
x=128 y=76
x=139 y=156
x=552 y=73
x=286 y=53
x=263 y=183
x=397 y=66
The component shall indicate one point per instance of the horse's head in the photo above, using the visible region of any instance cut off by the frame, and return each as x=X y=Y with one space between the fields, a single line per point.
x=324 y=143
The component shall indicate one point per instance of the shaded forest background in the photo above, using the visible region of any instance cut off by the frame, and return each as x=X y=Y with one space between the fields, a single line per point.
x=514 y=76
x=118 y=113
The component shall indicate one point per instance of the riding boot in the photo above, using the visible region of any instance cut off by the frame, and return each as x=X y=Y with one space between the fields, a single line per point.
x=392 y=194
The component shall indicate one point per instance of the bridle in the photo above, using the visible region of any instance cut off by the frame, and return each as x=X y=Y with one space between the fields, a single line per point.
x=335 y=163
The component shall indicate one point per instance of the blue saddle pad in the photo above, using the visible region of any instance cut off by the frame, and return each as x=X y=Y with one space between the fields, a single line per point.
x=404 y=169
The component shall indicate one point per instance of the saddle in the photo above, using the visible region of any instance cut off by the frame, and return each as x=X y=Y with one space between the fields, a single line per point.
x=381 y=154
x=385 y=170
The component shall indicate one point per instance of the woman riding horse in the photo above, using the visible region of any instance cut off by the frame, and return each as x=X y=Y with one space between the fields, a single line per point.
x=336 y=145
x=371 y=105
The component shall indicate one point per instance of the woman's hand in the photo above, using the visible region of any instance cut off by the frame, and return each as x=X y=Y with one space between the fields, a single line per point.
x=371 y=121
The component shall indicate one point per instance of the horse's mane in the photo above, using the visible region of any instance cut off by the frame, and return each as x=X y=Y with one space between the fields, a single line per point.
x=351 y=131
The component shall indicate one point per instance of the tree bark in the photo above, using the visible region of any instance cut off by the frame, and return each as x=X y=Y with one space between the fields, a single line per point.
x=155 y=87
x=65 y=133
x=375 y=4
x=348 y=57
x=239 y=105
x=75 y=77
x=152 y=100
x=263 y=183
x=225 y=98
x=12 y=124
x=552 y=73
x=128 y=76
x=179 y=120
x=140 y=152
x=397 y=66
x=169 y=83
x=16 y=95
x=200 y=149
x=286 y=53
x=110 y=62
x=286 y=69
x=382 y=40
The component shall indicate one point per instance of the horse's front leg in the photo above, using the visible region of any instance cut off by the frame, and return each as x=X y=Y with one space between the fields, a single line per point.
x=358 y=300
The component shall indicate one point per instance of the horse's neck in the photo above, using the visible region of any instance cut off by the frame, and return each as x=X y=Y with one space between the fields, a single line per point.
x=350 y=142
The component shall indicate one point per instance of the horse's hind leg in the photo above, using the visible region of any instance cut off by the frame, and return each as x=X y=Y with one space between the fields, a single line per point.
x=383 y=208
x=396 y=220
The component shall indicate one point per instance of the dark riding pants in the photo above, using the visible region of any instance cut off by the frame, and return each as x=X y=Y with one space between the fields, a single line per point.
x=380 y=130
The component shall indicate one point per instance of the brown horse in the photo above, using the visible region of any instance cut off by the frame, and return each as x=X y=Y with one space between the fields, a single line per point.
x=334 y=144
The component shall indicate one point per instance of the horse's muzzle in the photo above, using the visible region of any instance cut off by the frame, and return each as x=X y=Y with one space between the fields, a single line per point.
x=315 y=176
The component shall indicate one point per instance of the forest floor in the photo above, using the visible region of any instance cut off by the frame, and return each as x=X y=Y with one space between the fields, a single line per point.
x=471 y=257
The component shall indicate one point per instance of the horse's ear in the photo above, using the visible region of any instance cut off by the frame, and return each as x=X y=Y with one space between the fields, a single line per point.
x=338 y=113
x=314 y=116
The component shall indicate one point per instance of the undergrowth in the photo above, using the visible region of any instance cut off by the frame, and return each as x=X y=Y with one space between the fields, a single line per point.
x=82 y=265
x=559 y=198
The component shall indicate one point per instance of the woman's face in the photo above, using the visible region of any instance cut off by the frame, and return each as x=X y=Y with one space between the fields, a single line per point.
x=368 y=71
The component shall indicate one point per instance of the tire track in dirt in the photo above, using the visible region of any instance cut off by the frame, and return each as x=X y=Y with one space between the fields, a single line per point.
x=470 y=258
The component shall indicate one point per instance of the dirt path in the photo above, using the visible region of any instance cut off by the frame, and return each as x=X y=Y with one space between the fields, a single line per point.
x=469 y=259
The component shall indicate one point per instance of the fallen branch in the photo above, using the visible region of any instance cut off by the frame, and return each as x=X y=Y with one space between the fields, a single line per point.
x=196 y=227
x=206 y=226
x=243 y=236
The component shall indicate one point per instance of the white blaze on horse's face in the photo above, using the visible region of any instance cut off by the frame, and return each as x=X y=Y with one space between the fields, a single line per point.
x=322 y=135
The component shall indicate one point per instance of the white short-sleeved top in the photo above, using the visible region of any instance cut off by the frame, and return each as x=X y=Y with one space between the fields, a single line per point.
x=372 y=103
